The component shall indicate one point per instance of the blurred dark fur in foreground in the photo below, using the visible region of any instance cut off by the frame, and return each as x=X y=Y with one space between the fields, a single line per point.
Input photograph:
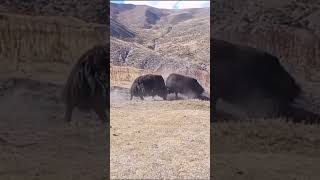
x=245 y=75
x=86 y=87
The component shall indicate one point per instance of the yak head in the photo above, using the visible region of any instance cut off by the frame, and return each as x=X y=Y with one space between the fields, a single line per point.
x=169 y=90
x=163 y=93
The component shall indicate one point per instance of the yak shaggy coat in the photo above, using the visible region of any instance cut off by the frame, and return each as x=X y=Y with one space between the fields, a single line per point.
x=86 y=87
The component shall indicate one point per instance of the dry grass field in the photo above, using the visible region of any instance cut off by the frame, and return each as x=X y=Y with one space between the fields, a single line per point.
x=155 y=139
x=36 y=142
x=160 y=140
x=266 y=149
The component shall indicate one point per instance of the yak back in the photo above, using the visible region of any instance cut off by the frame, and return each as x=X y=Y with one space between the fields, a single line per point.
x=148 y=84
x=238 y=71
x=183 y=84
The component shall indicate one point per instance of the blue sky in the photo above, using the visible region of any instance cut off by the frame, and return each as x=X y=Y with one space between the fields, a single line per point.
x=169 y=4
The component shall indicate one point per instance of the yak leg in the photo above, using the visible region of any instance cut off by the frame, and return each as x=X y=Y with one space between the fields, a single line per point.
x=141 y=97
x=68 y=113
x=131 y=97
x=214 y=111
x=101 y=114
x=176 y=95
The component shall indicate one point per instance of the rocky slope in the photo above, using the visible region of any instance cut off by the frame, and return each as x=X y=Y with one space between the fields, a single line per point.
x=88 y=10
x=165 y=41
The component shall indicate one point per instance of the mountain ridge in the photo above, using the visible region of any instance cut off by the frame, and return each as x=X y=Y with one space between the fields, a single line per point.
x=169 y=40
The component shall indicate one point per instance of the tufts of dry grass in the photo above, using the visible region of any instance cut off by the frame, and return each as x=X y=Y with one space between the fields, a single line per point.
x=121 y=73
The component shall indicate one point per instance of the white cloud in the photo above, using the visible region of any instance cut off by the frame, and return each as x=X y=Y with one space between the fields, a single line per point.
x=192 y=4
x=171 y=4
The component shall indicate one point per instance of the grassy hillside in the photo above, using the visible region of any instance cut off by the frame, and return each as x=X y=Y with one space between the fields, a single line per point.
x=165 y=41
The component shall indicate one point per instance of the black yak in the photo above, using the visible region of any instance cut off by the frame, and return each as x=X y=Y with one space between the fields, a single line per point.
x=86 y=87
x=148 y=85
x=177 y=83
x=252 y=78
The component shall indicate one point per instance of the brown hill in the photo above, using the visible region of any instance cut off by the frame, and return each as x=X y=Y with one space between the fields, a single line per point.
x=165 y=40
x=120 y=31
